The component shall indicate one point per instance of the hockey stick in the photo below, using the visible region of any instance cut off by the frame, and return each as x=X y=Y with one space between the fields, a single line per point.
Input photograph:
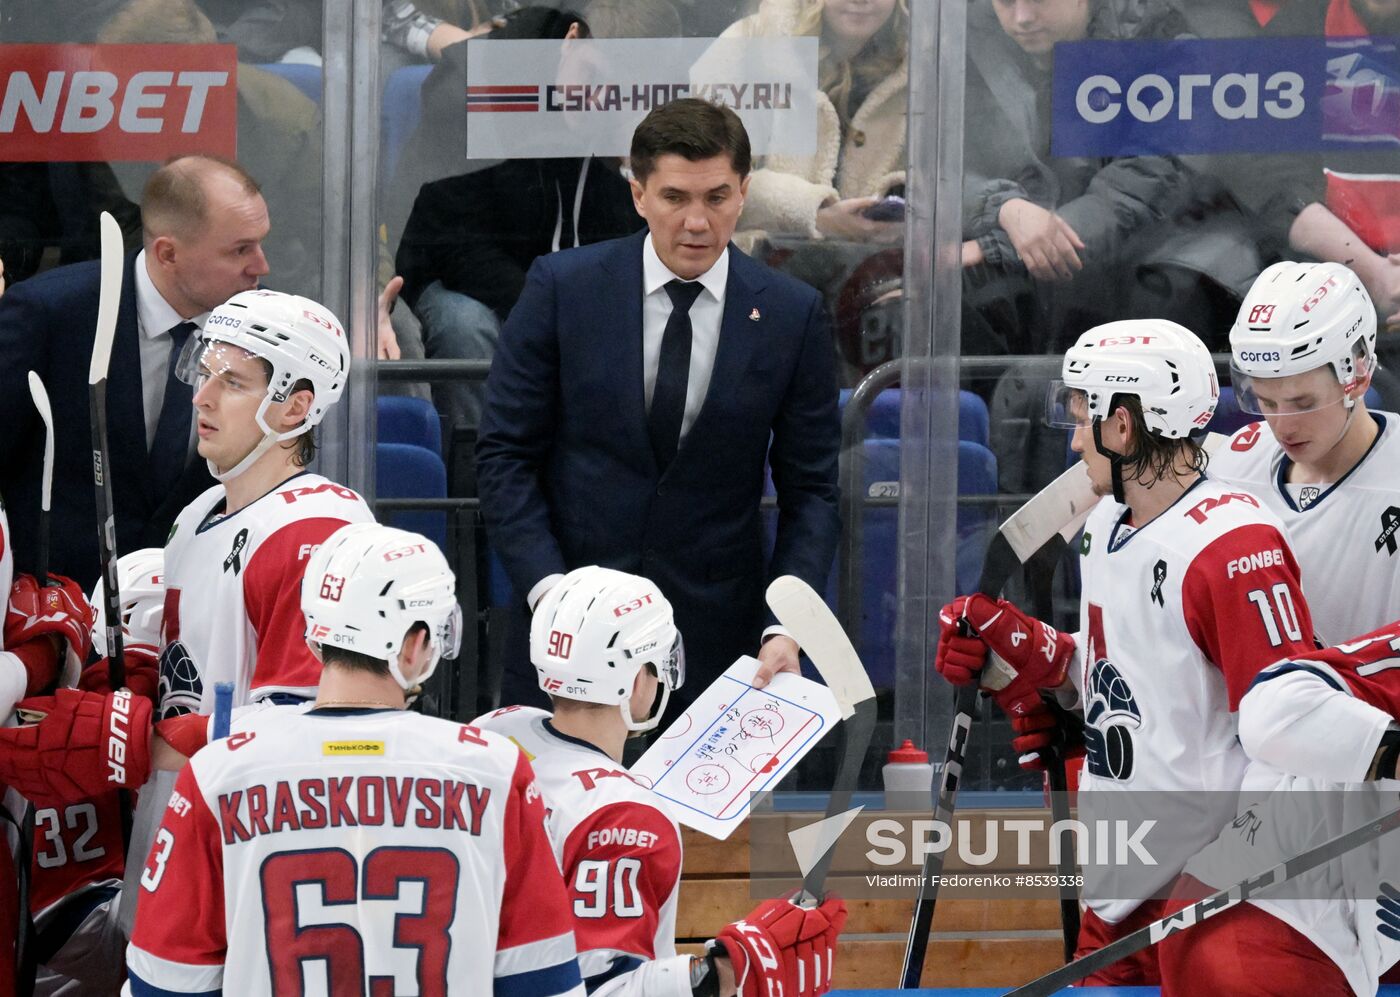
x=223 y=709
x=811 y=623
x=1208 y=907
x=108 y=303
x=1047 y=521
x=41 y=402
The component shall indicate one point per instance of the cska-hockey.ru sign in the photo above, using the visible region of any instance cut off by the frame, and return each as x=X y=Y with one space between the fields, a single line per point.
x=114 y=103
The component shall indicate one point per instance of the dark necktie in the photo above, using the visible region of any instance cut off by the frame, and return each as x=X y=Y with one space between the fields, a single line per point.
x=172 y=441
x=672 y=374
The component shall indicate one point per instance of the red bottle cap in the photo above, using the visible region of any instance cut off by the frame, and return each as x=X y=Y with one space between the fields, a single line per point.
x=907 y=754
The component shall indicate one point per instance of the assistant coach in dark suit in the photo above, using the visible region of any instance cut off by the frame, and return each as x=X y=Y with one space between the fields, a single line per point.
x=203 y=224
x=639 y=385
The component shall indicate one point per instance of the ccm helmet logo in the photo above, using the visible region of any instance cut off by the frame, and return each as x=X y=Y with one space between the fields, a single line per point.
x=1247 y=356
x=1121 y=379
x=1152 y=96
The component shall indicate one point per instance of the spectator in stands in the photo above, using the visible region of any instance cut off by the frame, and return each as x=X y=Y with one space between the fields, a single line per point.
x=1044 y=220
x=1344 y=206
x=279 y=130
x=862 y=106
x=471 y=238
x=642 y=385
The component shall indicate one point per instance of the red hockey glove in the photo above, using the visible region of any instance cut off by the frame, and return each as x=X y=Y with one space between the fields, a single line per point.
x=1046 y=726
x=61 y=610
x=186 y=733
x=1037 y=654
x=142 y=673
x=782 y=950
x=82 y=745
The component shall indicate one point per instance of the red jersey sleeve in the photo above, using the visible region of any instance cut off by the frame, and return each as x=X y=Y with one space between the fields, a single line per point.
x=1244 y=605
x=180 y=938
x=272 y=595
x=621 y=865
x=535 y=946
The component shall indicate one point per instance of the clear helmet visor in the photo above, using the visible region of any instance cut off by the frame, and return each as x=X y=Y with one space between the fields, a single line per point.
x=1066 y=407
x=670 y=673
x=1296 y=394
x=236 y=370
x=448 y=635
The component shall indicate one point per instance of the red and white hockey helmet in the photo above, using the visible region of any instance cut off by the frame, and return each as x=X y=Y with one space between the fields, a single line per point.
x=298 y=338
x=1164 y=364
x=367 y=585
x=1298 y=317
x=592 y=633
x=141 y=589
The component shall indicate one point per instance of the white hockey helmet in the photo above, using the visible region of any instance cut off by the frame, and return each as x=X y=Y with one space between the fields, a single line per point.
x=367 y=585
x=1296 y=318
x=1164 y=364
x=141 y=589
x=592 y=633
x=298 y=338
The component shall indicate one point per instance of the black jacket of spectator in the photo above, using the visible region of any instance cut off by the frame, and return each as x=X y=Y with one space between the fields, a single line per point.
x=479 y=233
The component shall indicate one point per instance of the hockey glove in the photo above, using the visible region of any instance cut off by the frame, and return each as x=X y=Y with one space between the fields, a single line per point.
x=782 y=950
x=61 y=610
x=82 y=745
x=142 y=673
x=1046 y=726
x=1033 y=655
x=1389 y=912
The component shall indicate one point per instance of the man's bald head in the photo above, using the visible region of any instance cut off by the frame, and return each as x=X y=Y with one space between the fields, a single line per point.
x=177 y=197
x=203 y=221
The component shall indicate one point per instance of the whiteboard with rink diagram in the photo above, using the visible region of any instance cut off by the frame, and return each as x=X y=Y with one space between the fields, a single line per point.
x=735 y=741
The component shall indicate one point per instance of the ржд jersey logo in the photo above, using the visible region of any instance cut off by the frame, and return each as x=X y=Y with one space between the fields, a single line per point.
x=1390 y=522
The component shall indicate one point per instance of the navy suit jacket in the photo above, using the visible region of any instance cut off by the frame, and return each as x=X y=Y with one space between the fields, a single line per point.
x=47 y=324
x=565 y=466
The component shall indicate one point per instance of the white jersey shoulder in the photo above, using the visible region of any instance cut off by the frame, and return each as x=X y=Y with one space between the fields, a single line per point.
x=1345 y=534
x=233 y=592
x=619 y=849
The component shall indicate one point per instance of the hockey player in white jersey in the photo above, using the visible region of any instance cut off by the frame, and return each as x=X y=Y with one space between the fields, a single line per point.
x=1303 y=352
x=265 y=370
x=607 y=652
x=1303 y=355
x=350 y=846
x=1188 y=590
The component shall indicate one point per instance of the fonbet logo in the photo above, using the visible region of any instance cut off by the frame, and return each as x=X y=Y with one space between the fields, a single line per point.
x=1152 y=97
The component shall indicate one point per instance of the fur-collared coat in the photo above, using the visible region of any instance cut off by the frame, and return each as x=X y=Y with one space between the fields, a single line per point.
x=786 y=191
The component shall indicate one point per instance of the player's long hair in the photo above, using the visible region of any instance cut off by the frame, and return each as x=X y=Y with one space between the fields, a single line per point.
x=1157 y=457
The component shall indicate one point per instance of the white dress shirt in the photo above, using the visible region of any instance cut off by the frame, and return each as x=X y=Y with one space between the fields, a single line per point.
x=156 y=318
x=705 y=317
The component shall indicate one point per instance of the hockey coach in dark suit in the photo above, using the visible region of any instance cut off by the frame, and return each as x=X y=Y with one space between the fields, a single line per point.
x=204 y=220
x=639 y=386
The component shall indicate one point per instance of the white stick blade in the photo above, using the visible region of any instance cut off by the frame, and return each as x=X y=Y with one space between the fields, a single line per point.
x=110 y=298
x=41 y=402
x=803 y=614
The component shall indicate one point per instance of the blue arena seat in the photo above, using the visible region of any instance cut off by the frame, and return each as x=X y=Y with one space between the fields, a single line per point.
x=882 y=420
x=403 y=470
x=403 y=419
x=977 y=475
x=399 y=114
x=305 y=78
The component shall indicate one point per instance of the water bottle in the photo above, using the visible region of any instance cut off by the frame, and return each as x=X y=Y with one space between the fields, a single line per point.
x=908 y=778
